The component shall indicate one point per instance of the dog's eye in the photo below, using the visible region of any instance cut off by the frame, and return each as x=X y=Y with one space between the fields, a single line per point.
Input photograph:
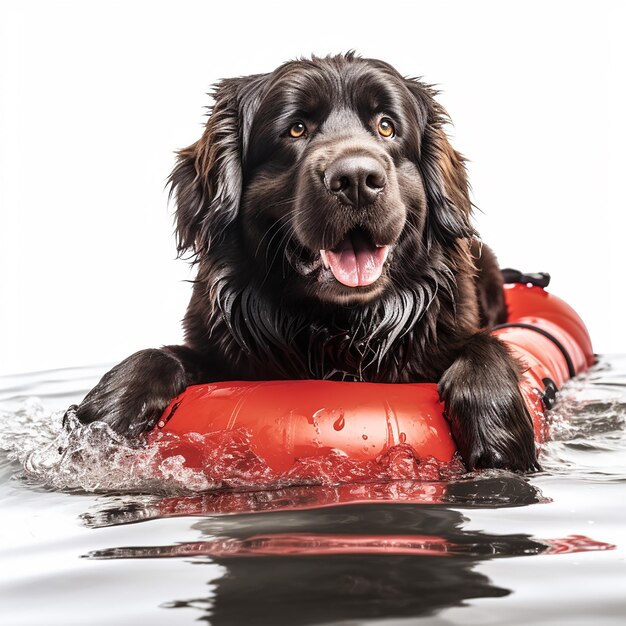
x=297 y=130
x=386 y=127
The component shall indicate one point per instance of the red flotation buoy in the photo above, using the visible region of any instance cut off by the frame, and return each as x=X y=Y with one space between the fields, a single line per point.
x=287 y=421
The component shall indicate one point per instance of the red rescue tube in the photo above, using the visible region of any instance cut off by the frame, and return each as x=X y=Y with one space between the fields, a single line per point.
x=291 y=420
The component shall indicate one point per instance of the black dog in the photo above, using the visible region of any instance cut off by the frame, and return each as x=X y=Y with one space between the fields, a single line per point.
x=329 y=219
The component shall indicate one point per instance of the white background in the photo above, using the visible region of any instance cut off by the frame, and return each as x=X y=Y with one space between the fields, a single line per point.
x=96 y=96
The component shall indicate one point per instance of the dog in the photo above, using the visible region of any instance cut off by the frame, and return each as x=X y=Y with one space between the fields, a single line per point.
x=330 y=222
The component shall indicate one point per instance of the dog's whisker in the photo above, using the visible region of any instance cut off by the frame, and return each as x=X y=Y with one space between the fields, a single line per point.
x=276 y=225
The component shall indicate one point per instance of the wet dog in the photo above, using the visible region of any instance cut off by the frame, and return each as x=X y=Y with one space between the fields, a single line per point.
x=330 y=222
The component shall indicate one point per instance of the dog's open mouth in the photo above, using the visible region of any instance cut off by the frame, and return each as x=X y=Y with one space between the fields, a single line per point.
x=356 y=261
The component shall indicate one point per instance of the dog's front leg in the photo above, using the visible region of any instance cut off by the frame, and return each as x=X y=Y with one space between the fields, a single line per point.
x=485 y=407
x=132 y=396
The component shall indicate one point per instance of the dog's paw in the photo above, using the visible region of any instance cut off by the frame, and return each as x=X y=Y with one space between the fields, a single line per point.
x=493 y=429
x=486 y=410
x=133 y=395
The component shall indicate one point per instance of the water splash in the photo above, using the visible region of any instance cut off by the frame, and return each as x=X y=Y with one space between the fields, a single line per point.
x=93 y=458
x=88 y=457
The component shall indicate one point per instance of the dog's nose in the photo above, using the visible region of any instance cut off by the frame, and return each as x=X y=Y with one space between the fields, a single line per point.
x=356 y=180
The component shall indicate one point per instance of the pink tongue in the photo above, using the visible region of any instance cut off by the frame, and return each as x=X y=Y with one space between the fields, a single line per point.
x=356 y=262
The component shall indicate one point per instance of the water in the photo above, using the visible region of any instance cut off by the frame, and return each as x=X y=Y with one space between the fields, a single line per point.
x=97 y=531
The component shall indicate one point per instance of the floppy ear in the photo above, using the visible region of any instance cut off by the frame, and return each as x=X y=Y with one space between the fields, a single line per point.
x=207 y=178
x=443 y=171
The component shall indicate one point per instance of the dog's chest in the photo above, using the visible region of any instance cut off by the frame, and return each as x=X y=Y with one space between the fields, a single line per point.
x=332 y=355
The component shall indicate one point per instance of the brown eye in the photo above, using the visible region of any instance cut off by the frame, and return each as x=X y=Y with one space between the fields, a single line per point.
x=297 y=130
x=386 y=127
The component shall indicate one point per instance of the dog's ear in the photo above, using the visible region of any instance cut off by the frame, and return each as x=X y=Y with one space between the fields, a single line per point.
x=207 y=179
x=443 y=170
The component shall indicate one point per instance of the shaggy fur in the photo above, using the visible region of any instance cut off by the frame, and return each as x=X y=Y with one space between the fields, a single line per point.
x=256 y=204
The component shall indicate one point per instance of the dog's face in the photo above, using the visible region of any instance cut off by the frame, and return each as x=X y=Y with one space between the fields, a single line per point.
x=331 y=176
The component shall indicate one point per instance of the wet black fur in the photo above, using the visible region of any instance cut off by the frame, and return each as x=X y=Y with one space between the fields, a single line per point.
x=253 y=212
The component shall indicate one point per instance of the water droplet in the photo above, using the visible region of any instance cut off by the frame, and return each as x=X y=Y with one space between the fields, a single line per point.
x=402 y=437
x=161 y=424
x=364 y=437
x=339 y=423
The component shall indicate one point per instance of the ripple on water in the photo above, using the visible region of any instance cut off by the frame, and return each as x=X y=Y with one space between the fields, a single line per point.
x=587 y=428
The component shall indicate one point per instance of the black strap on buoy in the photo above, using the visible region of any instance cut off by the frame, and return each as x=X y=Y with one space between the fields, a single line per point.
x=538 y=279
x=568 y=360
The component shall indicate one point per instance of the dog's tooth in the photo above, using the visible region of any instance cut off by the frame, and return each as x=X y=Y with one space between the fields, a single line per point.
x=386 y=254
x=324 y=259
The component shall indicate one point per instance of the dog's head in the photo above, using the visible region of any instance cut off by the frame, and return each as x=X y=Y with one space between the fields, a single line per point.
x=332 y=177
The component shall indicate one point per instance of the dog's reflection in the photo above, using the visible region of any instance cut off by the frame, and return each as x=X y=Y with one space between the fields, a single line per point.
x=298 y=591
x=291 y=566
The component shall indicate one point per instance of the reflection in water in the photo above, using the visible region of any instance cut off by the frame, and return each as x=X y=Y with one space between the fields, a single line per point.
x=296 y=566
x=490 y=490
x=317 y=590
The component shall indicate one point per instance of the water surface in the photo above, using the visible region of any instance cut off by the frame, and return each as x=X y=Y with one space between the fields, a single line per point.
x=96 y=532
